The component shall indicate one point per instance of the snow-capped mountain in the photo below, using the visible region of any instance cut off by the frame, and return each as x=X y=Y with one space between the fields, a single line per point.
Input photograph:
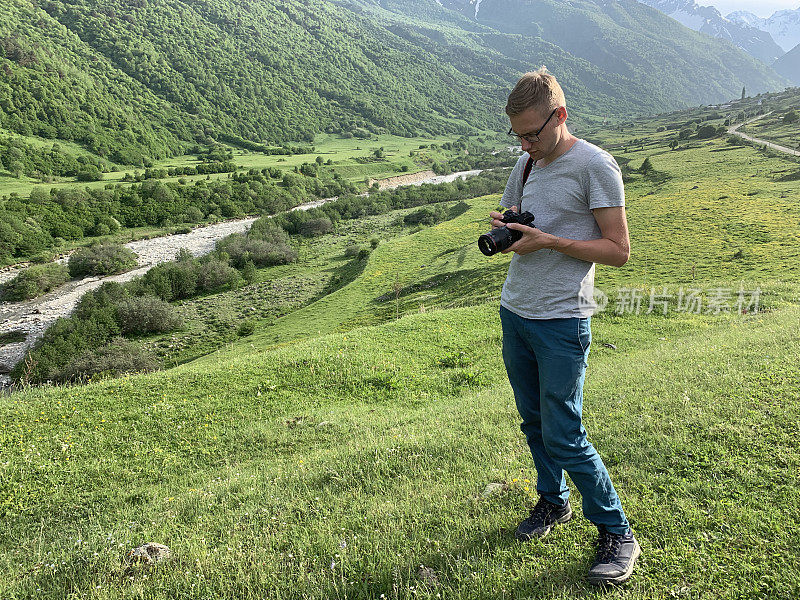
x=783 y=25
x=708 y=20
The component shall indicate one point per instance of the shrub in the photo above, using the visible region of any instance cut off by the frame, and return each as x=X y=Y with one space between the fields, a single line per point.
x=707 y=131
x=89 y=173
x=267 y=229
x=147 y=314
x=35 y=281
x=182 y=277
x=193 y=215
x=245 y=328
x=117 y=357
x=425 y=216
x=101 y=259
x=243 y=249
x=249 y=272
x=352 y=250
x=215 y=274
x=316 y=227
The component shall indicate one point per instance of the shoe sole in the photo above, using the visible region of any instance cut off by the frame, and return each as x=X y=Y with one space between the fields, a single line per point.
x=560 y=521
x=637 y=551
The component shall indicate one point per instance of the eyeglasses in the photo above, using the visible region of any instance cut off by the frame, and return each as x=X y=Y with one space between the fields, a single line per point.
x=532 y=138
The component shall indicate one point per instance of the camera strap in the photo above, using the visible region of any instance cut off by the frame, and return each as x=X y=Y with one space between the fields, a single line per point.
x=526 y=173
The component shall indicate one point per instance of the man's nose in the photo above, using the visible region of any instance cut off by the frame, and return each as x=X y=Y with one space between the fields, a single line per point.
x=526 y=145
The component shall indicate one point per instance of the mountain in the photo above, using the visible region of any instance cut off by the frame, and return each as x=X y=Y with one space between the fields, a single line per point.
x=788 y=65
x=708 y=20
x=783 y=25
x=139 y=79
x=622 y=37
x=129 y=78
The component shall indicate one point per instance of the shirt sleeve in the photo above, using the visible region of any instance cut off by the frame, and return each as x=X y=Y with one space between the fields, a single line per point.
x=605 y=182
x=512 y=196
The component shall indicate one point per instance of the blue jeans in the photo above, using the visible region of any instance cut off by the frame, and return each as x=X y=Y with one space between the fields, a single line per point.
x=546 y=363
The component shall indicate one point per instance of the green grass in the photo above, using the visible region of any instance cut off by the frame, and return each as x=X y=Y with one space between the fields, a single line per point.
x=337 y=449
x=335 y=467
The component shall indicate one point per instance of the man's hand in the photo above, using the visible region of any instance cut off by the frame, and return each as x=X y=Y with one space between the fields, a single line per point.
x=532 y=239
x=496 y=218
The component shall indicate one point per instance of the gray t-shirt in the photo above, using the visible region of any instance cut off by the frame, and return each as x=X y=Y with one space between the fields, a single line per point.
x=548 y=284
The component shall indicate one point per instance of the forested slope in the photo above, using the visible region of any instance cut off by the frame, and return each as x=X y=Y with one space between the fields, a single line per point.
x=132 y=79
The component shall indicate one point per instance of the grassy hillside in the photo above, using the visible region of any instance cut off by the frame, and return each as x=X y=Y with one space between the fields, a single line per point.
x=338 y=449
x=336 y=467
x=781 y=120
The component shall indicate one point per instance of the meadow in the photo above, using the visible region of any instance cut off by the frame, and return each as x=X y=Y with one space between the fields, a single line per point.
x=344 y=153
x=346 y=448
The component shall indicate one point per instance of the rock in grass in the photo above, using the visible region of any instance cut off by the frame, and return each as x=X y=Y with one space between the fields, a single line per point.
x=427 y=575
x=149 y=553
x=493 y=488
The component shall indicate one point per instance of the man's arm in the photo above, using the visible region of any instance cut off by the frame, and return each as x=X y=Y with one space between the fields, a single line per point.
x=612 y=249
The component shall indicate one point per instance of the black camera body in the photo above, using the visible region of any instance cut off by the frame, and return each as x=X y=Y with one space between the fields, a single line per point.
x=502 y=238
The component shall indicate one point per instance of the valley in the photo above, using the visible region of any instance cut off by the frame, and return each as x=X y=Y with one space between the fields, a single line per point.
x=313 y=403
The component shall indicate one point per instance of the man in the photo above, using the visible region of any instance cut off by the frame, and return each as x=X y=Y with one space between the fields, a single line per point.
x=574 y=190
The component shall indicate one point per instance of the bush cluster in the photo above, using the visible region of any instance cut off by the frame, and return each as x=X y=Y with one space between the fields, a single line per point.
x=428 y=215
x=115 y=358
x=316 y=227
x=141 y=306
x=242 y=249
x=147 y=314
x=72 y=345
x=101 y=259
x=35 y=281
x=187 y=277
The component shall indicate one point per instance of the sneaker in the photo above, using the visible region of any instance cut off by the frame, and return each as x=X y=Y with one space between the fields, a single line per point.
x=543 y=516
x=616 y=555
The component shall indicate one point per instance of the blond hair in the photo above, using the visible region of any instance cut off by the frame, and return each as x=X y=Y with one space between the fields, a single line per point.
x=535 y=89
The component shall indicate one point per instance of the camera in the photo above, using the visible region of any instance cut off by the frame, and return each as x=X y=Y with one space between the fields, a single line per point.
x=501 y=238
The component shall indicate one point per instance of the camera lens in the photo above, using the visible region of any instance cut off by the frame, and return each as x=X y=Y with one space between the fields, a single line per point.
x=495 y=241
x=487 y=245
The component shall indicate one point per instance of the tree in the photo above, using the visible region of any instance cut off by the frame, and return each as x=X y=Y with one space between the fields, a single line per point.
x=791 y=116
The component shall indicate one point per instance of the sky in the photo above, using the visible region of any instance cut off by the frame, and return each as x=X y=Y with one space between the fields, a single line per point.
x=762 y=8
